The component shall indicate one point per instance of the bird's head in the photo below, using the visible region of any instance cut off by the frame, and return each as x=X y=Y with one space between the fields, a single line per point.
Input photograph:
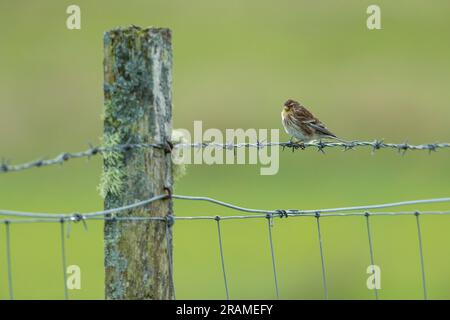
x=289 y=104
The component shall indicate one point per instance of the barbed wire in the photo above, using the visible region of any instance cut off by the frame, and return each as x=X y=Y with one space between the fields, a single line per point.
x=254 y=213
x=66 y=156
x=110 y=215
x=319 y=145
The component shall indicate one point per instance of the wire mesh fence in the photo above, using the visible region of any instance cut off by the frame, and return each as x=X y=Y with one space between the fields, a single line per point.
x=366 y=212
x=10 y=218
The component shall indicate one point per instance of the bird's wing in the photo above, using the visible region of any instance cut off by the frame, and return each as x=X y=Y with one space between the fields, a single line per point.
x=310 y=123
x=319 y=126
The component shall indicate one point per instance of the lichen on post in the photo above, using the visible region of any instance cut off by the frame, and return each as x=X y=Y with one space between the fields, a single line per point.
x=138 y=109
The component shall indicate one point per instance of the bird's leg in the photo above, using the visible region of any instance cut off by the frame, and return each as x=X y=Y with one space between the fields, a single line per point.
x=296 y=144
x=300 y=144
x=291 y=144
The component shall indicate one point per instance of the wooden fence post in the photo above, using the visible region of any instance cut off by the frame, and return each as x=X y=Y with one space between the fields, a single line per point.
x=138 y=109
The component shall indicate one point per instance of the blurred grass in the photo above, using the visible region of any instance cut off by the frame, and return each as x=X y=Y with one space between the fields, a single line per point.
x=234 y=64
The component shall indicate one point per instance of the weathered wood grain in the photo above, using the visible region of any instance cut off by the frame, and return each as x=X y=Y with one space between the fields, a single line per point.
x=138 y=109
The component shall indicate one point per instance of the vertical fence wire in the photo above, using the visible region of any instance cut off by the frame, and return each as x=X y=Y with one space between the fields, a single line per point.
x=8 y=259
x=372 y=260
x=63 y=258
x=324 y=276
x=270 y=225
x=221 y=257
x=419 y=236
x=169 y=223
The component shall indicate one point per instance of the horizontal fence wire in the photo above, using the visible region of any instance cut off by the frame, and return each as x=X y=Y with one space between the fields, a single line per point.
x=255 y=213
x=320 y=146
x=221 y=217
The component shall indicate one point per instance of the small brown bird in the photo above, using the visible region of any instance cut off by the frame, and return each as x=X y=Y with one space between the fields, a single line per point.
x=302 y=125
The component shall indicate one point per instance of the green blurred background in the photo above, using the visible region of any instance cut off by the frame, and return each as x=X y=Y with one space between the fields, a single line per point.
x=235 y=63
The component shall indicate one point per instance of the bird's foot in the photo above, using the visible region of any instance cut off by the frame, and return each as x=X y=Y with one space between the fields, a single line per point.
x=294 y=145
x=300 y=144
